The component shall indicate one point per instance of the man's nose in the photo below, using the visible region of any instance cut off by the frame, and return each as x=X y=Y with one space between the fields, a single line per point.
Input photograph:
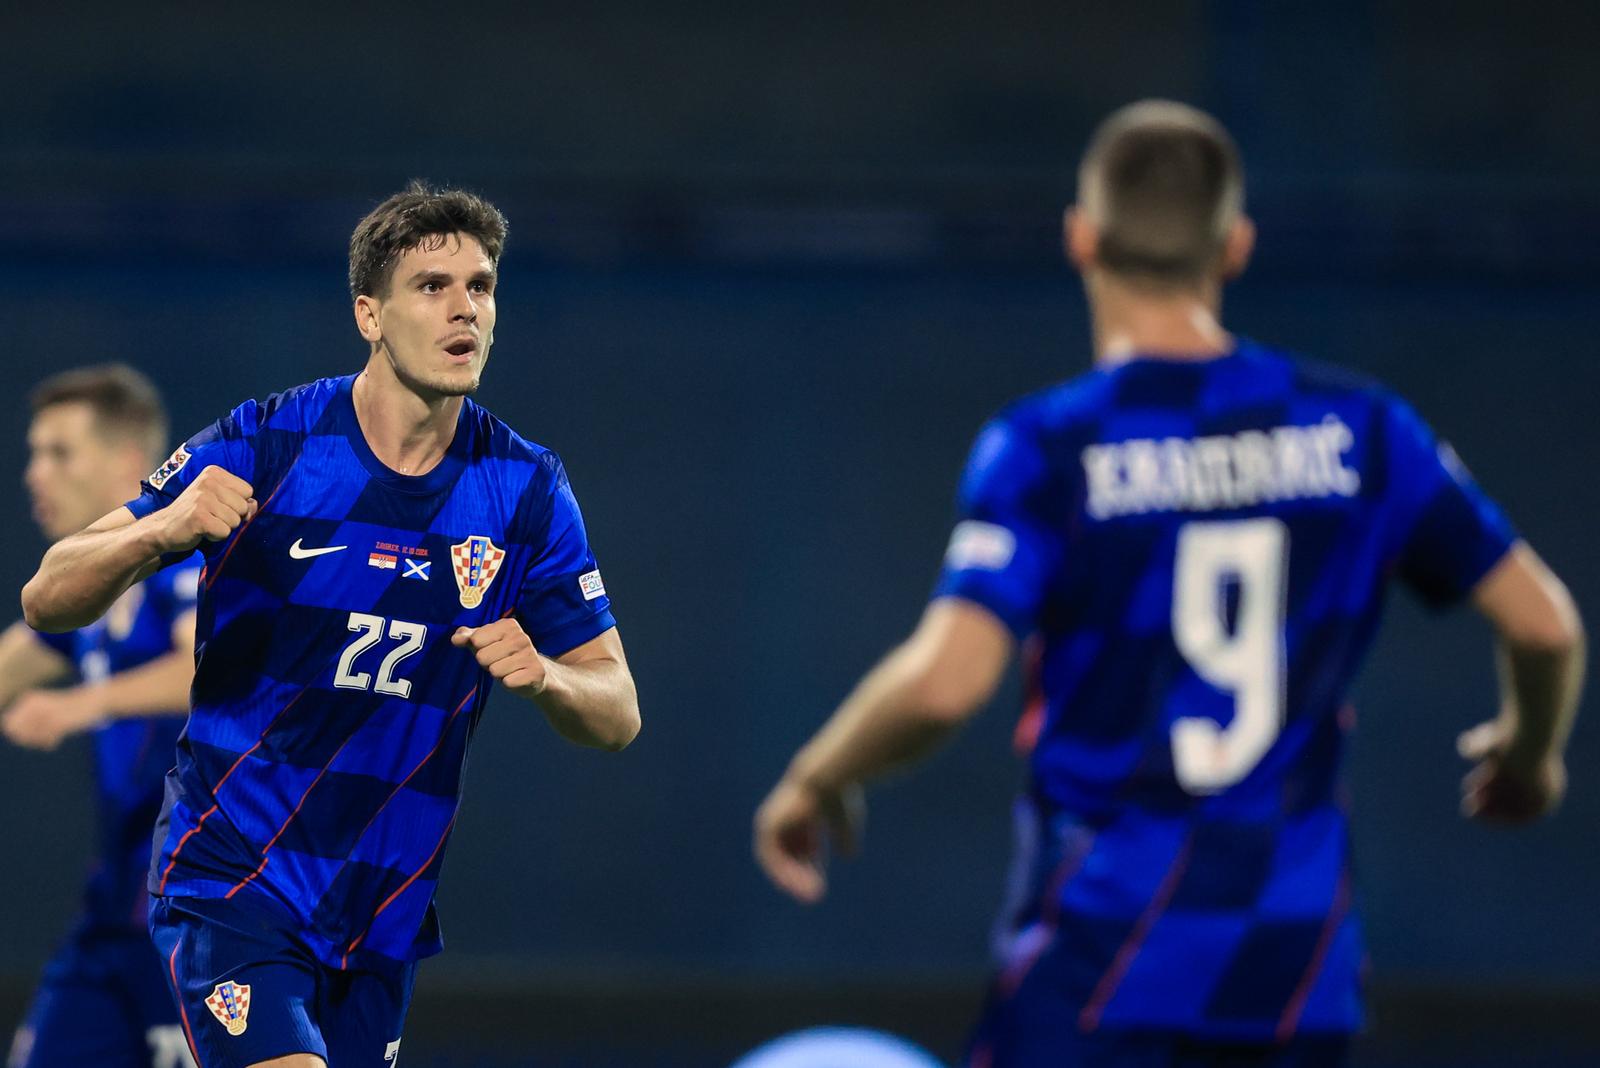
x=463 y=308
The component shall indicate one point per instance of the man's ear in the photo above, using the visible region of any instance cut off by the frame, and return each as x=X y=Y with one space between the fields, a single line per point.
x=1080 y=239
x=366 y=312
x=1237 y=247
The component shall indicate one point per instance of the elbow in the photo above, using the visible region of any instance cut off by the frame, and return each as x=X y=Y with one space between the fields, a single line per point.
x=1557 y=631
x=946 y=703
x=1552 y=637
x=626 y=730
x=36 y=610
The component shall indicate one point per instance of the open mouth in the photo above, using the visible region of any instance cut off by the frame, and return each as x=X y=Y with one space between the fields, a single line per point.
x=462 y=347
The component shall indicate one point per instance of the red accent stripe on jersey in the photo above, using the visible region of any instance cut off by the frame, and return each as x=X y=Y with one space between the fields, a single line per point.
x=1029 y=726
x=402 y=889
x=1049 y=920
x=1089 y=1018
x=211 y=578
x=183 y=1011
x=285 y=825
x=444 y=736
x=201 y=822
x=1289 y=1022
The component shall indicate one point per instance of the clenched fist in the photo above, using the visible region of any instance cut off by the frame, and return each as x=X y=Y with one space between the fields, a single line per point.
x=210 y=509
x=504 y=650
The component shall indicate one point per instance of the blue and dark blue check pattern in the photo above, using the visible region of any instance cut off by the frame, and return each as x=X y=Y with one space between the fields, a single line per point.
x=321 y=769
x=1143 y=904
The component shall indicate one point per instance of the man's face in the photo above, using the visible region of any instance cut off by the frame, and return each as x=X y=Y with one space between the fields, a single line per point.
x=74 y=475
x=436 y=323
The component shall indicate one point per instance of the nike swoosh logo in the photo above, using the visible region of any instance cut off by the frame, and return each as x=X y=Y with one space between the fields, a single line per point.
x=299 y=553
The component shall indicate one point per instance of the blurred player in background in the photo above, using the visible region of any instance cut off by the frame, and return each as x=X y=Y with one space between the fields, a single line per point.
x=103 y=1001
x=406 y=550
x=1197 y=536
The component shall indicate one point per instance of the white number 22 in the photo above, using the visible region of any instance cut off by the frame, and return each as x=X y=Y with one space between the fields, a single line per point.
x=370 y=630
x=1248 y=660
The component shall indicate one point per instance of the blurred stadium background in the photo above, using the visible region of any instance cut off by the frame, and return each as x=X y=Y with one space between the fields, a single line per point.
x=769 y=271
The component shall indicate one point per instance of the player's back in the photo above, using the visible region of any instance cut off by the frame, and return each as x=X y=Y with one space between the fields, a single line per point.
x=1199 y=551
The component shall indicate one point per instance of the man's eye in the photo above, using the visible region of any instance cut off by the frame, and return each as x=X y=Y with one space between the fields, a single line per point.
x=430 y=287
x=480 y=287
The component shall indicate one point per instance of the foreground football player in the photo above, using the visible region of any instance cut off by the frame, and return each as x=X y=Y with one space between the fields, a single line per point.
x=379 y=551
x=1199 y=534
x=102 y=1000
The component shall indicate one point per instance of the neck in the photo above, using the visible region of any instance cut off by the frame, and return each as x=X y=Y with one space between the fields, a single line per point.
x=1132 y=321
x=408 y=431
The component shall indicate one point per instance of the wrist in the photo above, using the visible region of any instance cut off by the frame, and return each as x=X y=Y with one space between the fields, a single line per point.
x=150 y=536
x=1522 y=754
x=540 y=686
x=810 y=776
x=96 y=706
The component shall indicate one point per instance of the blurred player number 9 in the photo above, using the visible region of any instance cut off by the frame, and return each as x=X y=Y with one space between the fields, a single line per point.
x=369 y=630
x=1246 y=659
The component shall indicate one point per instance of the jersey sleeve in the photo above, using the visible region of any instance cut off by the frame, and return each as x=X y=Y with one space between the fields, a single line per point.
x=562 y=602
x=1004 y=548
x=1446 y=532
x=228 y=443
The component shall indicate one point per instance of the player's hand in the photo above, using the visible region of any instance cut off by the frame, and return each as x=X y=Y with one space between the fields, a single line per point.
x=505 y=651
x=793 y=828
x=209 y=509
x=1506 y=786
x=42 y=719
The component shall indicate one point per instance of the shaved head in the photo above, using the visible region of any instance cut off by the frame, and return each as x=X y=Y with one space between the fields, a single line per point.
x=1162 y=185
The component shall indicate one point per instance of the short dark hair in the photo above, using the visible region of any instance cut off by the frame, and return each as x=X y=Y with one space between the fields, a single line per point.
x=1163 y=184
x=125 y=403
x=410 y=217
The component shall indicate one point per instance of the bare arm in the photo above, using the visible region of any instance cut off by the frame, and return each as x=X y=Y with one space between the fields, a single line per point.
x=82 y=575
x=42 y=719
x=26 y=662
x=586 y=693
x=912 y=700
x=1521 y=770
x=915 y=698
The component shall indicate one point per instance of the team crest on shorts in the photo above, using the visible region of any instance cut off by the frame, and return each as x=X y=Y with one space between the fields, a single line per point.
x=476 y=561
x=230 y=1004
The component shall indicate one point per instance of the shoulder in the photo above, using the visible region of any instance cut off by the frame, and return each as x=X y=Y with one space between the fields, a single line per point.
x=1036 y=431
x=1306 y=376
x=298 y=408
x=1062 y=408
x=1024 y=448
x=301 y=407
x=508 y=454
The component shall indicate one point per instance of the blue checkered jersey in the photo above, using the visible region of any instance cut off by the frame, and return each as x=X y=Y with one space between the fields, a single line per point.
x=131 y=756
x=1196 y=554
x=321 y=769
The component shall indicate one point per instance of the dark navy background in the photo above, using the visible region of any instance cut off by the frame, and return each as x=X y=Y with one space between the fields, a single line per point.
x=768 y=274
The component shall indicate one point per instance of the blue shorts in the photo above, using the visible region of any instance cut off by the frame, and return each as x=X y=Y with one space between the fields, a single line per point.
x=248 y=990
x=101 y=1001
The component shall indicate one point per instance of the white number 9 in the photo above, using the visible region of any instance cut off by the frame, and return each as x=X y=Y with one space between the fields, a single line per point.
x=1248 y=661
